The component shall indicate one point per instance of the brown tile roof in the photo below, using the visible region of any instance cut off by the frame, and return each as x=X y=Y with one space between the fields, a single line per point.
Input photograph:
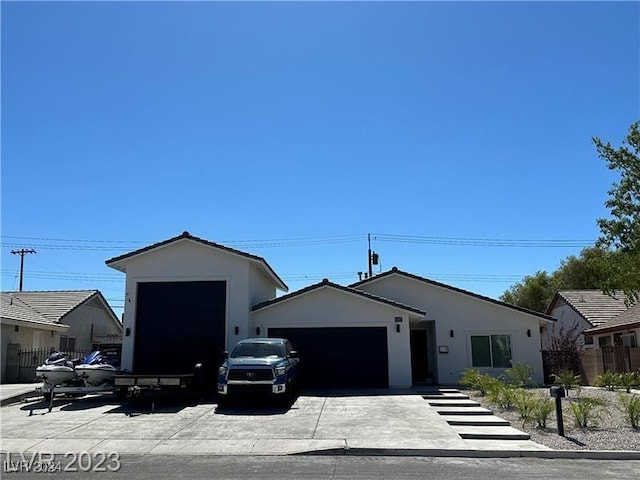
x=595 y=307
x=50 y=306
x=628 y=319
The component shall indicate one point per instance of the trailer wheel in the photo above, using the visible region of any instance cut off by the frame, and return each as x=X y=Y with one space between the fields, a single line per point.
x=120 y=393
x=46 y=396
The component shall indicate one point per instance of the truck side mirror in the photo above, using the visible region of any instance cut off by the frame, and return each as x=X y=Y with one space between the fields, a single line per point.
x=225 y=354
x=293 y=354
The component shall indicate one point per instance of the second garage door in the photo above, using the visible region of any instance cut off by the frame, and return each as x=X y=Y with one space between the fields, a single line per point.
x=340 y=357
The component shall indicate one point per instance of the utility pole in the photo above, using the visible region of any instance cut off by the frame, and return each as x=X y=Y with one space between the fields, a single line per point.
x=369 y=256
x=22 y=252
x=372 y=257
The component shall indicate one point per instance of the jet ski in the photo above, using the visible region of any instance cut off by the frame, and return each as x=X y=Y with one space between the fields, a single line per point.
x=56 y=370
x=95 y=370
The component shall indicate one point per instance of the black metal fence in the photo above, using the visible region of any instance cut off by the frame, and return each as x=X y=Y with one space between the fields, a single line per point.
x=26 y=361
x=29 y=360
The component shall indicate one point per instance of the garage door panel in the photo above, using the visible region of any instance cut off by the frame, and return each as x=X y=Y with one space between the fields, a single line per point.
x=179 y=324
x=340 y=357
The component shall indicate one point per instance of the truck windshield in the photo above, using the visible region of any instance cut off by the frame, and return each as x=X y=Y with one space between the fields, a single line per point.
x=258 y=350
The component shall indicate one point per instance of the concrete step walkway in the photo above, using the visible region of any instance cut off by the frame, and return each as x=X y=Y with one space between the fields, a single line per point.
x=469 y=419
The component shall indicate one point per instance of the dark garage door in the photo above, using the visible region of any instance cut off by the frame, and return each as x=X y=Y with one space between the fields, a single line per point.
x=179 y=324
x=340 y=357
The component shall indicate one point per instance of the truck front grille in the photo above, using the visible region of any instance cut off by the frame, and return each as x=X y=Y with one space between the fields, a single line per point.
x=250 y=374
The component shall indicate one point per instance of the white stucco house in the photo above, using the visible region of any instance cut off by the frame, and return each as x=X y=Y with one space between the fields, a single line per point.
x=392 y=330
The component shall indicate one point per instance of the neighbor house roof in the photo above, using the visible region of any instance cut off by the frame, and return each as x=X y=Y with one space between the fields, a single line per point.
x=396 y=271
x=50 y=307
x=627 y=320
x=595 y=307
x=327 y=284
x=119 y=263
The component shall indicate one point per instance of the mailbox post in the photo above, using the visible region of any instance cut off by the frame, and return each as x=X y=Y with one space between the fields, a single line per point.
x=558 y=393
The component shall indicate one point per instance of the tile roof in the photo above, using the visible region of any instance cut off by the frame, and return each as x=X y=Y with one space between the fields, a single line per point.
x=113 y=262
x=595 y=307
x=327 y=283
x=14 y=309
x=50 y=306
x=628 y=319
x=396 y=271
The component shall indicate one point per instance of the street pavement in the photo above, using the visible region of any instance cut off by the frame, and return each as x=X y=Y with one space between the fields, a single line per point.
x=372 y=422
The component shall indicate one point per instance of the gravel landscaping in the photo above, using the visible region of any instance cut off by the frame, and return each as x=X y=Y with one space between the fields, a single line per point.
x=612 y=430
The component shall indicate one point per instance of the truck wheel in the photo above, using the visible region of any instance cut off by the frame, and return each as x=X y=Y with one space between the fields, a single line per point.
x=222 y=401
x=120 y=393
x=46 y=396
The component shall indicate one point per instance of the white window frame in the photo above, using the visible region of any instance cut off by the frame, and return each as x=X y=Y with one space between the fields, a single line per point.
x=490 y=334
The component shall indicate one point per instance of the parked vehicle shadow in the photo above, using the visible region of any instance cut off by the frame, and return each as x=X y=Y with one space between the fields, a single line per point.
x=359 y=392
x=255 y=406
x=129 y=407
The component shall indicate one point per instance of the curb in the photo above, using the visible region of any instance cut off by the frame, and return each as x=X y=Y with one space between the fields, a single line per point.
x=548 y=454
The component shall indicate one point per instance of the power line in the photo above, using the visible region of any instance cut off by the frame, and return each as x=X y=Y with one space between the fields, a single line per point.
x=481 y=242
x=115 y=245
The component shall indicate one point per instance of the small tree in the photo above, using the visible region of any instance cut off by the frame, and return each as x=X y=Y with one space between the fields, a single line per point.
x=621 y=231
x=563 y=353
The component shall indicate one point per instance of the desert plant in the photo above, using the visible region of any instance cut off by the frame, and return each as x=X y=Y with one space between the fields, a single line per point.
x=541 y=411
x=520 y=375
x=567 y=379
x=481 y=382
x=470 y=378
x=585 y=411
x=504 y=396
x=630 y=406
x=628 y=380
x=609 y=380
x=525 y=403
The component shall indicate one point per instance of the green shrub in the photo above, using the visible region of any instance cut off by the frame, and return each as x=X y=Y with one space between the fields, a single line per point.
x=608 y=379
x=481 y=382
x=525 y=403
x=504 y=396
x=470 y=378
x=542 y=410
x=630 y=405
x=628 y=380
x=567 y=379
x=585 y=411
x=520 y=375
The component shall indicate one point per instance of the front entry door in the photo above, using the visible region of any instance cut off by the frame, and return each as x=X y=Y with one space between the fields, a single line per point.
x=419 y=357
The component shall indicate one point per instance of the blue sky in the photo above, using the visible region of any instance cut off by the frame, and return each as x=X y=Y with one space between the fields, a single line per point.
x=291 y=130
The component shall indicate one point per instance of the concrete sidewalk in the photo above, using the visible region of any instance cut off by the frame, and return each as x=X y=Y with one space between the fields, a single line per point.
x=377 y=423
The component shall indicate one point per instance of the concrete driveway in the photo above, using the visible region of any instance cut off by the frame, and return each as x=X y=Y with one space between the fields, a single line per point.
x=383 y=422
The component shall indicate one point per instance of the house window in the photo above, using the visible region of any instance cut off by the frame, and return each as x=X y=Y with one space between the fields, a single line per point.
x=67 y=344
x=604 y=341
x=588 y=340
x=629 y=339
x=493 y=351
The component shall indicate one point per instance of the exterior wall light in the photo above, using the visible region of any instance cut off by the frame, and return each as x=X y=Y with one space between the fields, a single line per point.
x=236 y=330
x=528 y=332
x=398 y=327
x=257 y=330
x=451 y=333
